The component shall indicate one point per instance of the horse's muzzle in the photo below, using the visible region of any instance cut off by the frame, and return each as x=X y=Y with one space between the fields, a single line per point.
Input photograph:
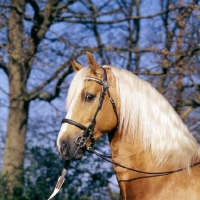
x=67 y=152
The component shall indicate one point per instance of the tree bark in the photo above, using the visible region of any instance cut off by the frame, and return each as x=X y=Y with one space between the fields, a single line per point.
x=18 y=112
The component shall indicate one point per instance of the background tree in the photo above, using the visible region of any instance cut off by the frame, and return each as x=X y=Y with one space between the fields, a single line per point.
x=159 y=41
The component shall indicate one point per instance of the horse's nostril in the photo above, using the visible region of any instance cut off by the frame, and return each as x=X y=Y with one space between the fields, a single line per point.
x=64 y=149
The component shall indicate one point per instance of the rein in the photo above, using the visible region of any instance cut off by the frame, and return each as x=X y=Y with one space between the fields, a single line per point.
x=136 y=170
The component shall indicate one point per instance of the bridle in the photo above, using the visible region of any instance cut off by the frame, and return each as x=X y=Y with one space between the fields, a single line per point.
x=89 y=131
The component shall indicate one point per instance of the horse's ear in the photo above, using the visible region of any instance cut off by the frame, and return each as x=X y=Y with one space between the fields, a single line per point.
x=95 y=67
x=76 y=66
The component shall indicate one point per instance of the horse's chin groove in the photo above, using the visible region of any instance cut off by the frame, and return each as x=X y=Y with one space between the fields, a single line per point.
x=79 y=154
x=78 y=157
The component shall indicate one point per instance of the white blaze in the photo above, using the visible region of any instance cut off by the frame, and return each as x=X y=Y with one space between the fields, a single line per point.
x=64 y=127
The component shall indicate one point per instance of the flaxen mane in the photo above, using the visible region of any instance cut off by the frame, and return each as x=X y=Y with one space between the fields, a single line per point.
x=146 y=114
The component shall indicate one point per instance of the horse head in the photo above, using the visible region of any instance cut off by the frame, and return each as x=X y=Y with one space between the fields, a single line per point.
x=92 y=110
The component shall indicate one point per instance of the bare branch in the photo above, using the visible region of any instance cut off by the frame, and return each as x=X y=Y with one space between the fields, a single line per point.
x=186 y=112
x=64 y=5
x=43 y=20
x=49 y=97
x=90 y=18
x=36 y=93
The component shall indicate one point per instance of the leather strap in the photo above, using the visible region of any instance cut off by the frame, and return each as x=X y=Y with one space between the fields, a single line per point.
x=69 y=121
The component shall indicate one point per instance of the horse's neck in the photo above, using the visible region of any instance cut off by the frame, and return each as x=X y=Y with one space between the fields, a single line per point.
x=134 y=185
x=125 y=149
x=131 y=154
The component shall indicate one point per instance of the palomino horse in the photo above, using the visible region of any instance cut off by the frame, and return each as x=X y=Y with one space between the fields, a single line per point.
x=144 y=131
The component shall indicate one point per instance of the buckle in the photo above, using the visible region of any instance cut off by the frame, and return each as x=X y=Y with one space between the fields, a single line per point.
x=80 y=141
x=112 y=100
x=105 y=84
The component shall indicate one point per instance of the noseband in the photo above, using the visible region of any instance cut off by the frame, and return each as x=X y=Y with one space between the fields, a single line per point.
x=89 y=131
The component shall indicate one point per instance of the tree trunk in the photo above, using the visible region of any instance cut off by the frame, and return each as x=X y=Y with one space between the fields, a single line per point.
x=18 y=111
x=15 y=145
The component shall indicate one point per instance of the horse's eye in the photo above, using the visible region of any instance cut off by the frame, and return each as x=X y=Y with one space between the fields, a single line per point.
x=89 y=97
